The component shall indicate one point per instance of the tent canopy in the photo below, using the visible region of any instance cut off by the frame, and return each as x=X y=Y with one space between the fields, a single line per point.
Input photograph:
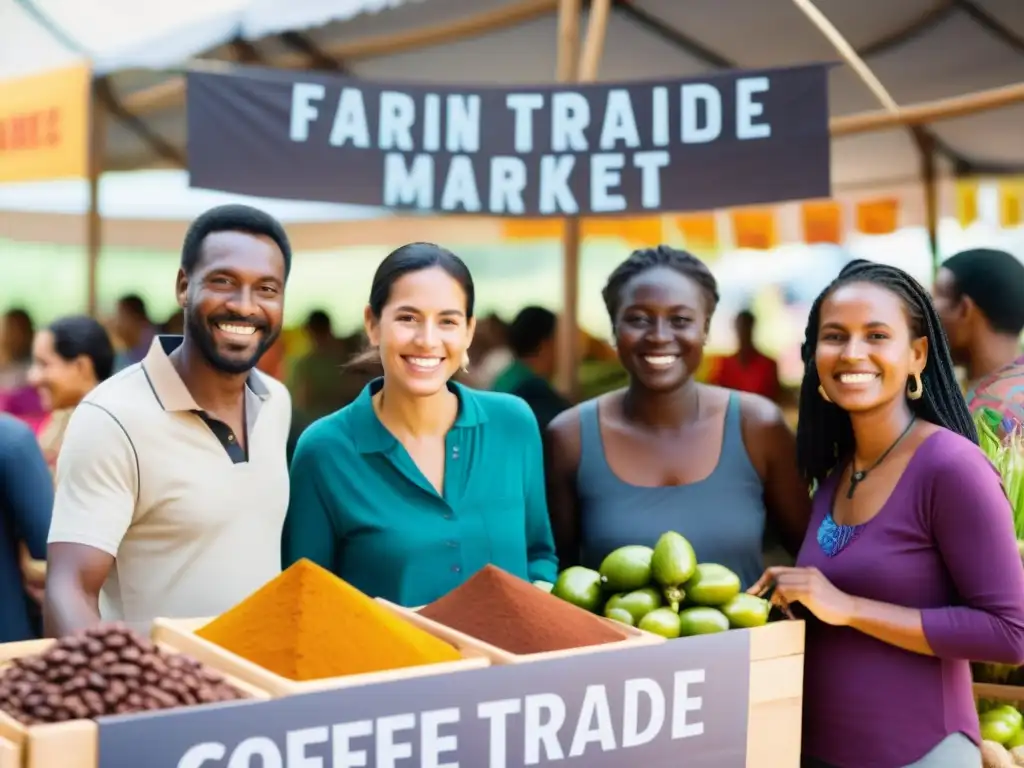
x=114 y=35
x=921 y=50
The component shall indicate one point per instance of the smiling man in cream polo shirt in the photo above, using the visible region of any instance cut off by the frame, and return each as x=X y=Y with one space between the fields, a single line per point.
x=172 y=482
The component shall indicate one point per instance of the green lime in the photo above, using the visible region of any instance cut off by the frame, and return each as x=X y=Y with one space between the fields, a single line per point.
x=627 y=568
x=712 y=585
x=998 y=730
x=1010 y=712
x=1017 y=740
x=579 y=586
x=702 y=621
x=620 y=615
x=672 y=564
x=639 y=602
x=661 y=621
x=746 y=611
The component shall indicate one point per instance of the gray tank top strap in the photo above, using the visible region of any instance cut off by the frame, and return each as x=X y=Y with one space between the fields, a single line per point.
x=593 y=465
x=734 y=453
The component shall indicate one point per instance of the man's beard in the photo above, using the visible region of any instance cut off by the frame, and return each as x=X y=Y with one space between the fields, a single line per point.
x=201 y=332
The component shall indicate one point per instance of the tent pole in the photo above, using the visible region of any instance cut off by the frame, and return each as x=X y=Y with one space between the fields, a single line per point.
x=566 y=339
x=93 y=222
x=929 y=178
x=929 y=111
x=586 y=72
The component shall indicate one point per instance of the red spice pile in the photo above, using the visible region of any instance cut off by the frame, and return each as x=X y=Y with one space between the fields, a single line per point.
x=512 y=614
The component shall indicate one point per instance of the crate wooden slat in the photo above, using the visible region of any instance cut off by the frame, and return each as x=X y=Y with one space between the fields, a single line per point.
x=73 y=744
x=180 y=634
x=775 y=714
x=998 y=692
x=9 y=756
x=632 y=637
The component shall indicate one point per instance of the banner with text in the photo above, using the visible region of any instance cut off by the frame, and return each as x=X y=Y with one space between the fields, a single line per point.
x=44 y=126
x=678 y=703
x=729 y=139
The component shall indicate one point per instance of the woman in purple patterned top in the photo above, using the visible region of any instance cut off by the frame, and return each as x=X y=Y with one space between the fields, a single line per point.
x=910 y=568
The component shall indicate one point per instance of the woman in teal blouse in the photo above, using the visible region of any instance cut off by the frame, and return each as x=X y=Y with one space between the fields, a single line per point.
x=420 y=482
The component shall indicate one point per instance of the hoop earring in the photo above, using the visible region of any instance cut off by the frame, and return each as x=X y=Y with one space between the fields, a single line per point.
x=917 y=391
x=823 y=393
x=465 y=362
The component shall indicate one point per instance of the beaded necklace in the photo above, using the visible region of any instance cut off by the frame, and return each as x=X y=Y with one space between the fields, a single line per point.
x=832 y=537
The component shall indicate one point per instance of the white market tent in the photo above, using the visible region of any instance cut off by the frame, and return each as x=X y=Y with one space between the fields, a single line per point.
x=950 y=72
x=920 y=50
x=126 y=42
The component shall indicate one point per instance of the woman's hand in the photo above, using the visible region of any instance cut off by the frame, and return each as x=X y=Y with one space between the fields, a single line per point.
x=811 y=589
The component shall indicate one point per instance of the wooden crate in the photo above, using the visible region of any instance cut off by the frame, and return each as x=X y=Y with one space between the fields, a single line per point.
x=774 y=721
x=180 y=634
x=74 y=744
x=775 y=715
x=633 y=637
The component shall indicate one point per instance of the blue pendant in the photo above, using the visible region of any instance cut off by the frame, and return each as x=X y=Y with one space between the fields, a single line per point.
x=834 y=538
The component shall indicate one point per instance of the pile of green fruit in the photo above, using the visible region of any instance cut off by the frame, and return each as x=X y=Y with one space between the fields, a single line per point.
x=1002 y=733
x=663 y=590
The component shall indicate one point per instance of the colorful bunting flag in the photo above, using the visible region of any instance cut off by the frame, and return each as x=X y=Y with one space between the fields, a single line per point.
x=1010 y=198
x=878 y=217
x=966 y=202
x=822 y=222
x=699 y=230
x=755 y=228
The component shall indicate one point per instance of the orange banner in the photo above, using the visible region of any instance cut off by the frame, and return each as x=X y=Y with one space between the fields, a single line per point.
x=755 y=228
x=878 y=217
x=822 y=222
x=44 y=126
x=699 y=230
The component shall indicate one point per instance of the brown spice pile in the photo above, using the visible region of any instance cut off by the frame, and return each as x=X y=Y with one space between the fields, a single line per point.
x=512 y=614
x=108 y=670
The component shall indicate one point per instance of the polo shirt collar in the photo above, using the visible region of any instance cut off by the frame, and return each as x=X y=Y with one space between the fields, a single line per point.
x=167 y=385
x=370 y=436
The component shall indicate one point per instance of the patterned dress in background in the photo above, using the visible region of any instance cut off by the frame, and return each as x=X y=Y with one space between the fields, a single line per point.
x=1001 y=392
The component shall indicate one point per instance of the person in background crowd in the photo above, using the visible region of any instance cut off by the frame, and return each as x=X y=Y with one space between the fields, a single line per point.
x=174 y=325
x=979 y=295
x=69 y=358
x=420 y=482
x=749 y=369
x=273 y=361
x=172 y=483
x=134 y=329
x=490 y=353
x=531 y=338
x=667 y=453
x=910 y=565
x=26 y=499
x=17 y=396
x=316 y=378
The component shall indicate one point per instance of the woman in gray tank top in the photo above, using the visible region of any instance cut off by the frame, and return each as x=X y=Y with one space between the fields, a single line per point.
x=667 y=453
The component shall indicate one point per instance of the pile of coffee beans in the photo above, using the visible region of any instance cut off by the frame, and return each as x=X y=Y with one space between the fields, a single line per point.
x=108 y=670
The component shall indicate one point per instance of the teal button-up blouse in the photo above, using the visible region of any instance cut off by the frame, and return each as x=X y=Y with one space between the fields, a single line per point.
x=361 y=508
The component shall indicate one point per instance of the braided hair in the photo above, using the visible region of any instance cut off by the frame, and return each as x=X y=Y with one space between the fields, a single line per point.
x=824 y=433
x=645 y=259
